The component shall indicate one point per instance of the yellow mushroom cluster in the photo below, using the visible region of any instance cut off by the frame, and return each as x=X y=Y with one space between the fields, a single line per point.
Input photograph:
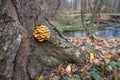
x=41 y=33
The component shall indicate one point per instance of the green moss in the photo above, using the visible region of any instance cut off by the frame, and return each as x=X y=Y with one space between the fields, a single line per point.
x=69 y=28
x=65 y=22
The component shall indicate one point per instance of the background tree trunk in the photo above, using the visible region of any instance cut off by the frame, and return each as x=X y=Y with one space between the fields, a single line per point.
x=21 y=56
x=83 y=7
x=95 y=17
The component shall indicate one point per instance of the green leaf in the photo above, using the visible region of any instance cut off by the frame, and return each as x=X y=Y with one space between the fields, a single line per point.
x=113 y=76
x=94 y=75
x=113 y=64
x=65 y=78
x=74 y=70
x=118 y=64
x=76 y=77
x=87 y=22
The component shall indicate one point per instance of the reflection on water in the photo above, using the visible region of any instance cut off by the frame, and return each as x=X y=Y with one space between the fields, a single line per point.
x=113 y=31
x=108 y=33
x=75 y=34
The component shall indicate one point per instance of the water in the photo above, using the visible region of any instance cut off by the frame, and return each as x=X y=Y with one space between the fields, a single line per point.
x=111 y=31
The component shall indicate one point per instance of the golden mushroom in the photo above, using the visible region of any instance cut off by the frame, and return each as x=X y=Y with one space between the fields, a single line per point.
x=41 y=33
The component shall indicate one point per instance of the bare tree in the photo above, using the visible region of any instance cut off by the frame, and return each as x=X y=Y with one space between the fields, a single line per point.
x=95 y=16
x=90 y=29
x=83 y=7
x=75 y=3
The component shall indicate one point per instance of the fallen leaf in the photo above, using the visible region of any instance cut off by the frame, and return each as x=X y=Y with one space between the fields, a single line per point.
x=88 y=40
x=91 y=56
x=117 y=74
x=110 y=67
x=77 y=53
x=96 y=61
x=40 y=78
x=108 y=56
x=107 y=61
x=55 y=78
x=68 y=68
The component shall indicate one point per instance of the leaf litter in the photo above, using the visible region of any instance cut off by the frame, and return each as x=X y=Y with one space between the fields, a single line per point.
x=102 y=57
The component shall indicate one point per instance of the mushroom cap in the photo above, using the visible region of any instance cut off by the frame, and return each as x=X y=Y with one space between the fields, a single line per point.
x=41 y=33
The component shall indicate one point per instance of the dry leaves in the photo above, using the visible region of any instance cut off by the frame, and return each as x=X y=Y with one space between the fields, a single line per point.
x=92 y=56
x=109 y=48
x=77 y=53
x=99 y=52
x=68 y=68
x=117 y=75
x=108 y=56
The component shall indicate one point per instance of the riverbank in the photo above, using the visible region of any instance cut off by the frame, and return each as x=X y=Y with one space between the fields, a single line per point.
x=105 y=29
x=69 y=28
x=65 y=22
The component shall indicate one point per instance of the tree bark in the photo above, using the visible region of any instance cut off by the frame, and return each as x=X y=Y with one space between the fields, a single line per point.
x=22 y=57
x=94 y=17
x=83 y=15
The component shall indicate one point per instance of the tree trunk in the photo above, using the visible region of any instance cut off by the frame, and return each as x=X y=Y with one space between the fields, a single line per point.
x=94 y=17
x=75 y=3
x=83 y=2
x=21 y=56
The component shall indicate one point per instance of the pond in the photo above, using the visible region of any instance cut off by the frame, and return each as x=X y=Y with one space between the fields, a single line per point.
x=109 y=30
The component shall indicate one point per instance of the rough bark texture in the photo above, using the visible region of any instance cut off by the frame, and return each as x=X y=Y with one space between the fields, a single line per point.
x=20 y=67
x=9 y=39
x=21 y=56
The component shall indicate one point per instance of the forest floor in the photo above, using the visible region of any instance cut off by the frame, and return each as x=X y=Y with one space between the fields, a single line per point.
x=102 y=61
